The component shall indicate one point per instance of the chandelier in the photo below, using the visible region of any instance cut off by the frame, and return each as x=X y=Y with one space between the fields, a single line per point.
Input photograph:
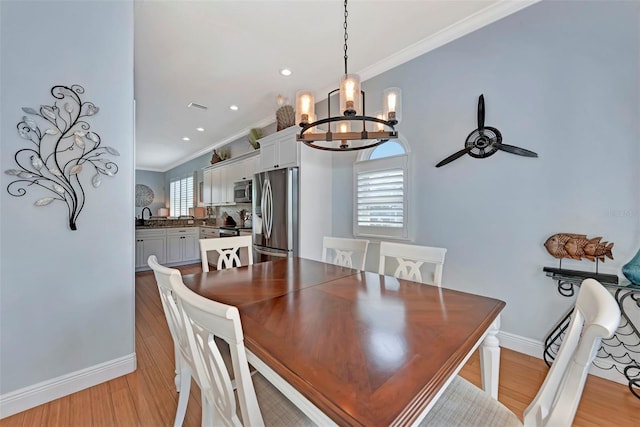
x=353 y=129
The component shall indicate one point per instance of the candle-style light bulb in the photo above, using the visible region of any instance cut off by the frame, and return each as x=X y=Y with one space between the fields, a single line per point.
x=379 y=126
x=391 y=100
x=350 y=99
x=344 y=127
x=392 y=104
x=304 y=107
x=349 y=86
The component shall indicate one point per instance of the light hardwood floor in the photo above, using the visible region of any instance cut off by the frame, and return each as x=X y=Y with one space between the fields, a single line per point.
x=147 y=397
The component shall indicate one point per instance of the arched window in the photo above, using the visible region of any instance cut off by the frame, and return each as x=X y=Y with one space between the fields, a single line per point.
x=380 y=202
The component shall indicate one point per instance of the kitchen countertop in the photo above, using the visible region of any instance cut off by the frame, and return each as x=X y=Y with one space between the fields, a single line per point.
x=212 y=227
x=155 y=226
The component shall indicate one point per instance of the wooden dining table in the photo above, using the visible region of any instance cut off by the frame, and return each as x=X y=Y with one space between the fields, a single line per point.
x=351 y=347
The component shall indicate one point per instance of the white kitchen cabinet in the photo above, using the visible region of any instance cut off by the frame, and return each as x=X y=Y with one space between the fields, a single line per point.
x=280 y=150
x=149 y=242
x=221 y=186
x=248 y=168
x=220 y=178
x=216 y=186
x=209 y=232
x=206 y=187
x=182 y=244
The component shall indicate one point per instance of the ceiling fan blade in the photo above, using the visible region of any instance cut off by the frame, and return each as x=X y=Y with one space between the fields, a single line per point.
x=481 y=114
x=454 y=156
x=514 y=150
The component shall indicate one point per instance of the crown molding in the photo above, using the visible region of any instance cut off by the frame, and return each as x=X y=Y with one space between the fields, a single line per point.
x=207 y=150
x=448 y=34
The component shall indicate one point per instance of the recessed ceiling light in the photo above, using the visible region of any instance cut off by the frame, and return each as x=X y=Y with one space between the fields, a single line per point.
x=285 y=72
x=200 y=129
x=186 y=138
x=233 y=107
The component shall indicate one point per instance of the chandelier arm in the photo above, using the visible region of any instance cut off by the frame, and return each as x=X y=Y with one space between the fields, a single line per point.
x=329 y=101
x=349 y=118
x=319 y=147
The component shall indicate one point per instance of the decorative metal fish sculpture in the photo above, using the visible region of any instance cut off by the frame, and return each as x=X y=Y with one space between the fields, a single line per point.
x=578 y=246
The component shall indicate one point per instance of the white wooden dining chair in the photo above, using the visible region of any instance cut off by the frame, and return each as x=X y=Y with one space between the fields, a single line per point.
x=410 y=259
x=340 y=251
x=259 y=402
x=596 y=316
x=185 y=368
x=229 y=251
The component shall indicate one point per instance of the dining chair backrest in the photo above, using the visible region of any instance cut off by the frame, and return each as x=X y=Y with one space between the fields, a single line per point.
x=204 y=318
x=340 y=251
x=228 y=249
x=185 y=367
x=596 y=315
x=410 y=259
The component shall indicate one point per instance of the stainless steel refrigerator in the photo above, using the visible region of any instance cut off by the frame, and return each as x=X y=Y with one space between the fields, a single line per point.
x=275 y=214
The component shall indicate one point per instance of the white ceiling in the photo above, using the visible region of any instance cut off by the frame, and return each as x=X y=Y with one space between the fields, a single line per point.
x=218 y=53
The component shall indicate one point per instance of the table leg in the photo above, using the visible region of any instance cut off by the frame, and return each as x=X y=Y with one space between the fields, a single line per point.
x=490 y=360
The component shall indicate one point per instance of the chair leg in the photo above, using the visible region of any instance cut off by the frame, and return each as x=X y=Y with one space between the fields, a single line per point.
x=183 y=397
x=177 y=358
x=207 y=414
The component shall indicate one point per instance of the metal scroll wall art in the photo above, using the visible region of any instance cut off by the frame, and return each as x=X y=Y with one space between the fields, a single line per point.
x=61 y=148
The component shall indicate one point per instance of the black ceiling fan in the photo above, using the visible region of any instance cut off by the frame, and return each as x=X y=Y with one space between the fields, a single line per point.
x=485 y=141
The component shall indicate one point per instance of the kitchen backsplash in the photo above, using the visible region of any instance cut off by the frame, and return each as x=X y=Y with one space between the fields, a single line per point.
x=232 y=211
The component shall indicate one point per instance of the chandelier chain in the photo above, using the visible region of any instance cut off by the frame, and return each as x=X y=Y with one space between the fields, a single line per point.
x=346 y=36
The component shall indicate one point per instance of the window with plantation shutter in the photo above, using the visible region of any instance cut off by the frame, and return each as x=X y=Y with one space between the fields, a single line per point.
x=380 y=205
x=181 y=196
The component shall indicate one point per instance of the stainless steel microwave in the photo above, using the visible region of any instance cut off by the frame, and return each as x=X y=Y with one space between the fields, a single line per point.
x=242 y=191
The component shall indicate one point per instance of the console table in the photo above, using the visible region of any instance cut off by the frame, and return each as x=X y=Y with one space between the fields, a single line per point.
x=622 y=350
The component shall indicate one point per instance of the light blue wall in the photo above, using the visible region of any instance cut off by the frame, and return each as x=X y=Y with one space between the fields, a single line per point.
x=155 y=181
x=184 y=170
x=66 y=297
x=559 y=78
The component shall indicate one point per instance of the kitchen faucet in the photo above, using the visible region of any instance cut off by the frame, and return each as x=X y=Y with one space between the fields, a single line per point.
x=142 y=214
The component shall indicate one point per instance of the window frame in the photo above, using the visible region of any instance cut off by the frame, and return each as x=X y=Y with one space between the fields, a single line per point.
x=364 y=163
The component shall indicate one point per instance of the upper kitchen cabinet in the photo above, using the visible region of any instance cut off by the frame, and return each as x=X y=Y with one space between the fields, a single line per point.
x=206 y=186
x=221 y=186
x=219 y=179
x=280 y=150
x=248 y=167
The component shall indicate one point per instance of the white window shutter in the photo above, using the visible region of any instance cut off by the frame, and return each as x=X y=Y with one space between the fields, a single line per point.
x=181 y=196
x=381 y=197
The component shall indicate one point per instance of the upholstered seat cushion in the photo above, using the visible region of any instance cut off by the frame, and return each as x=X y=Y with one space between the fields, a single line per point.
x=464 y=404
x=276 y=409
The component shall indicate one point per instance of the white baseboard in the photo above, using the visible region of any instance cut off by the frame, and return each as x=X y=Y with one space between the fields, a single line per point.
x=535 y=348
x=521 y=344
x=46 y=391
